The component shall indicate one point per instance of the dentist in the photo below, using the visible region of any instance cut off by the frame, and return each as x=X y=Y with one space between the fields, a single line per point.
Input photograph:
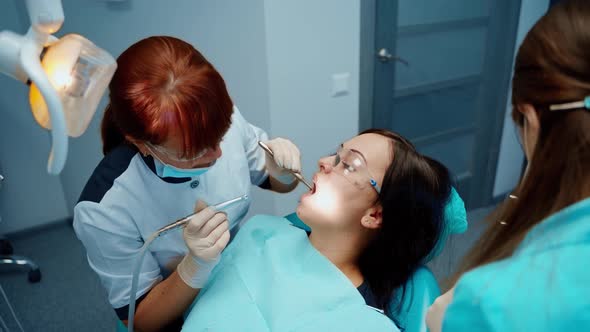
x=171 y=136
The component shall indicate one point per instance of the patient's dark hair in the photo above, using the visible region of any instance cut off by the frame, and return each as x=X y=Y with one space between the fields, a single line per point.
x=413 y=195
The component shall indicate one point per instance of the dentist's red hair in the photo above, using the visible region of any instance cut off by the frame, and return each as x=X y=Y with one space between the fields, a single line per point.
x=164 y=85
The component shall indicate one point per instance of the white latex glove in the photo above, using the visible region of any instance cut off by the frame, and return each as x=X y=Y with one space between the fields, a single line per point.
x=436 y=312
x=206 y=235
x=286 y=157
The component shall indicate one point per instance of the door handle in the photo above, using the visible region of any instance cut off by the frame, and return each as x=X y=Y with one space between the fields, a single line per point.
x=384 y=56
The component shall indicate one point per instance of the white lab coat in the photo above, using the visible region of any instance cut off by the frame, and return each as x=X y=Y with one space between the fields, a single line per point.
x=114 y=226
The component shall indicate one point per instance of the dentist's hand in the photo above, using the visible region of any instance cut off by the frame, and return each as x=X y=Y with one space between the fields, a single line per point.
x=436 y=312
x=206 y=235
x=287 y=158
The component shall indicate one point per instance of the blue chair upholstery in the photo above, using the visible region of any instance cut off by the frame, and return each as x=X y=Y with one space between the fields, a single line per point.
x=421 y=291
x=121 y=327
x=294 y=219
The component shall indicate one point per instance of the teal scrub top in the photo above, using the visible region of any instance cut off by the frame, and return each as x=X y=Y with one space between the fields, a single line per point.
x=544 y=286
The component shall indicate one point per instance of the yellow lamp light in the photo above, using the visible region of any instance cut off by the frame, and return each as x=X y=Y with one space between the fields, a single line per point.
x=80 y=73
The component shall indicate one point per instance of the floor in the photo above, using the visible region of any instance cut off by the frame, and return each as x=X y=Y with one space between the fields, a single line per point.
x=70 y=297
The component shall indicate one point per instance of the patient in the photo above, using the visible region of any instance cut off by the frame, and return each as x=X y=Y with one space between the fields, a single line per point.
x=375 y=212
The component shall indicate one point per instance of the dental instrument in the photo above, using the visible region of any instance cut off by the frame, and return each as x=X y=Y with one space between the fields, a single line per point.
x=297 y=175
x=183 y=221
x=166 y=229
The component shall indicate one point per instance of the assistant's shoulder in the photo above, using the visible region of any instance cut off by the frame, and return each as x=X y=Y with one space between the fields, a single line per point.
x=524 y=290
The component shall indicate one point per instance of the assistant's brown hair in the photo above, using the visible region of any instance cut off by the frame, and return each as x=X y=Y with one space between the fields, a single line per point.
x=552 y=67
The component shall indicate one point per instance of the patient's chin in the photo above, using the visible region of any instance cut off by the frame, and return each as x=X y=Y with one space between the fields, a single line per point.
x=306 y=213
x=322 y=206
x=316 y=216
x=302 y=212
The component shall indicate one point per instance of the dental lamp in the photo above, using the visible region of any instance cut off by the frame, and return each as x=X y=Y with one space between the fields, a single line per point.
x=67 y=76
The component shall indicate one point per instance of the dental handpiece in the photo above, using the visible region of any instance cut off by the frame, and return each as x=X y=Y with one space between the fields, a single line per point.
x=297 y=175
x=183 y=221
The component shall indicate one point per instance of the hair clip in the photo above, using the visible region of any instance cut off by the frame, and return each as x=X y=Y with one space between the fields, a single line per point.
x=573 y=105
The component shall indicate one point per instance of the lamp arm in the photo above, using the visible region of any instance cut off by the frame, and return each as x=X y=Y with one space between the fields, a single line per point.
x=47 y=16
x=29 y=60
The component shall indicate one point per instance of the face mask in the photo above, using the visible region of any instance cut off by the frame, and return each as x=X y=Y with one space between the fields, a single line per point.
x=165 y=171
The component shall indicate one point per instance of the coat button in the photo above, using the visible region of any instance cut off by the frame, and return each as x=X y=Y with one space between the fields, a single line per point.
x=195 y=184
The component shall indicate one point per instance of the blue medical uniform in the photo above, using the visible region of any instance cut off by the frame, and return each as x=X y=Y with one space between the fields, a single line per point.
x=544 y=286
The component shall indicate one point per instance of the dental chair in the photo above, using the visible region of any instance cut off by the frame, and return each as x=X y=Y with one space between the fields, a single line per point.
x=421 y=291
x=7 y=257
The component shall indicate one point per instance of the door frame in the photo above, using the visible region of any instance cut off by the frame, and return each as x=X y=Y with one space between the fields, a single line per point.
x=497 y=75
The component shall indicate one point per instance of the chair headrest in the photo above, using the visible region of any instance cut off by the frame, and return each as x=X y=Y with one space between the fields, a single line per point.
x=455 y=222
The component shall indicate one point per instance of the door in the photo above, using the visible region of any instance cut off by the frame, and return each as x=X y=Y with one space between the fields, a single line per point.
x=441 y=77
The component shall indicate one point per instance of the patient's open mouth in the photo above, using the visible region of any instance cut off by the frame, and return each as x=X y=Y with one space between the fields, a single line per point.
x=313 y=190
x=315 y=185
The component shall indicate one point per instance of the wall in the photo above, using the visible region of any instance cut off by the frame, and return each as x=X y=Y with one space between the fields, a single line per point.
x=277 y=57
x=305 y=47
x=29 y=197
x=307 y=42
x=511 y=156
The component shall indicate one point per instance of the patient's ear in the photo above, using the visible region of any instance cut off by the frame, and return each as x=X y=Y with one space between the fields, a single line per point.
x=373 y=217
